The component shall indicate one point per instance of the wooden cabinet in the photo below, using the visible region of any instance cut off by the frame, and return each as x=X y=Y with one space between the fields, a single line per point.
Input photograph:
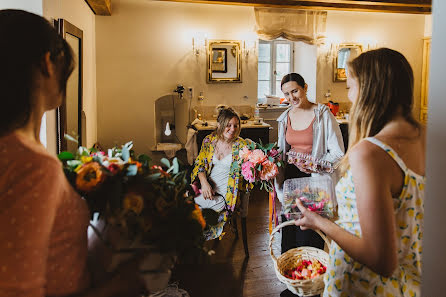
x=425 y=80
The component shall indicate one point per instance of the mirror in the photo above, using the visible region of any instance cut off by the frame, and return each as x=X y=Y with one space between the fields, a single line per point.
x=69 y=116
x=224 y=61
x=345 y=52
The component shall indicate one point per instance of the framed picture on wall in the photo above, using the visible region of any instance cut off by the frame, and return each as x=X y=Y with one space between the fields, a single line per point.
x=219 y=60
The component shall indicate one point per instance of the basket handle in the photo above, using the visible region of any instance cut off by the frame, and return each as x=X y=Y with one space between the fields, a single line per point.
x=288 y=223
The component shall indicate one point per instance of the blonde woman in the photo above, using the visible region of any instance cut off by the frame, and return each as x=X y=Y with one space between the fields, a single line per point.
x=218 y=169
x=376 y=247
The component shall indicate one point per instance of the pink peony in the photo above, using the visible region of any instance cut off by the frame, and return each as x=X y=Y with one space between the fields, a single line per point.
x=257 y=156
x=269 y=170
x=245 y=153
x=248 y=171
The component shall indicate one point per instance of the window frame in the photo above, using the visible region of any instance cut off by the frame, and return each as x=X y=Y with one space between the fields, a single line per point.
x=273 y=61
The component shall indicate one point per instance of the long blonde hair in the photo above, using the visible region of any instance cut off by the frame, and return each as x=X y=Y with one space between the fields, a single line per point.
x=385 y=80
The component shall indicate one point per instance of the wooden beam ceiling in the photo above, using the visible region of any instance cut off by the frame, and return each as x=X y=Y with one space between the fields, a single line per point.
x=399 y=6
x=100 y=7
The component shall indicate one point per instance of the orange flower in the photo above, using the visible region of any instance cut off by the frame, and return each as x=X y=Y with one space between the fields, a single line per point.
x=133 y=202
x=89 y=177
x=197 y=215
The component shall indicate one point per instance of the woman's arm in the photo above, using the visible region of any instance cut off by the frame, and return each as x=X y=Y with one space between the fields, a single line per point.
x=200 y=161
x=335 y=143
x=377 y=248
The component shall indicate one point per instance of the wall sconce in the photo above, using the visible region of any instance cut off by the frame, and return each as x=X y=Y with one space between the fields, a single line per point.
x=249 y=46
x=331 y=52
x=199 y=43
x=371 y=46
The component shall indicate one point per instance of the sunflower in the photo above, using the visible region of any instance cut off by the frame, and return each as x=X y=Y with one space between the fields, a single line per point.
x=89 y=176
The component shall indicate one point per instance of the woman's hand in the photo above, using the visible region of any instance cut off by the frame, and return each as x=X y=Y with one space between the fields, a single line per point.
x=309 y=220
x=304 y=169
x=206 y=190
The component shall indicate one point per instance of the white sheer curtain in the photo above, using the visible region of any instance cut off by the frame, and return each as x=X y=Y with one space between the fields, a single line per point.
x=292 y=24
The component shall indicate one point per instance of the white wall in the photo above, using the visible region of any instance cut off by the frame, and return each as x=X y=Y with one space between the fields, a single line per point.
x=428 y=25
x=305 y=60
x=401 y=32
x=145 y=49
x=79 y=14
x=434 y=240
x=34 y=6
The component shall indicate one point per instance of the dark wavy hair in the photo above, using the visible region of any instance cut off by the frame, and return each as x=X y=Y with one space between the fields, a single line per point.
x=25 y=39
x=225 y=115
x=293 y=77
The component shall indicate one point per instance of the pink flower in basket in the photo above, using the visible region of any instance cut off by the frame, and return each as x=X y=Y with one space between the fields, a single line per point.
x=269 y=170
x=248 y=171
x=257 y=156
x=245 y=153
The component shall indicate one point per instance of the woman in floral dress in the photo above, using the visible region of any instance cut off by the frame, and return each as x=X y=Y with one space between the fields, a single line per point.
x=376 y=248
x=219 y=164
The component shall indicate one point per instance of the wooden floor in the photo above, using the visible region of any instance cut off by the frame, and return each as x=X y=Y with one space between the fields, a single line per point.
x=229 y=273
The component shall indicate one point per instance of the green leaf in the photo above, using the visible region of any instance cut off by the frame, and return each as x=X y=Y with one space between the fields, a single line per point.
x=271 y=159
x=176 y=166
x=165 y=162
x=154 y=176
x=64 y=156
x=144 y=160
x=269 y=146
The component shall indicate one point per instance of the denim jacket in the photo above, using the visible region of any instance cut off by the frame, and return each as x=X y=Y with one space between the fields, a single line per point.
x=327 y=142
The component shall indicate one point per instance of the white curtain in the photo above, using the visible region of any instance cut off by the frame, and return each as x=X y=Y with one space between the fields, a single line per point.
x=292 y=24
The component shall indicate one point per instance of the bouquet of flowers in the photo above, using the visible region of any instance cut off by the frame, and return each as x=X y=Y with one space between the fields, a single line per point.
x=147 y=204
x=260 y=164
x=315 y=193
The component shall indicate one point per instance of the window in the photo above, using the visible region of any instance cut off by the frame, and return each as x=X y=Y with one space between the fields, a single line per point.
x=275 y=60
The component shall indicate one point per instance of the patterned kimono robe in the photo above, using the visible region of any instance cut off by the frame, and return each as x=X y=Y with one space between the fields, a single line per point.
x=203 y=163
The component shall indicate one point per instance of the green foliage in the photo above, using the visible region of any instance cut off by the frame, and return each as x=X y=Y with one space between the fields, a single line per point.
x=145 y=202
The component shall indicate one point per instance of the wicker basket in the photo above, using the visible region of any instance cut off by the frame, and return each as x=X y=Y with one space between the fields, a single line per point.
x=287 y=260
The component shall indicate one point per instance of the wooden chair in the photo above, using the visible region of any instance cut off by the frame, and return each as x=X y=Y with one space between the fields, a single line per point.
x=241 y=211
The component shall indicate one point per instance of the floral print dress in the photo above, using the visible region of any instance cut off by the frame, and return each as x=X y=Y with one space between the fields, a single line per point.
x=345 y=276
x=203 y=163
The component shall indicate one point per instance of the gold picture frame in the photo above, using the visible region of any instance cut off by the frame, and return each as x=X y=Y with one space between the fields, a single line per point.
x=224 y=61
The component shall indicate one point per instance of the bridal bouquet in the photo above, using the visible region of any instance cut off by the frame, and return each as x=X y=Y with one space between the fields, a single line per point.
x=260 y=164
x=146 y=204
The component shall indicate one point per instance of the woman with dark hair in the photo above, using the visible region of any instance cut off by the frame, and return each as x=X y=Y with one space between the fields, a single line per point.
x=43 y=250
x=377 y=240
x=309 y=128
x=218 y=169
